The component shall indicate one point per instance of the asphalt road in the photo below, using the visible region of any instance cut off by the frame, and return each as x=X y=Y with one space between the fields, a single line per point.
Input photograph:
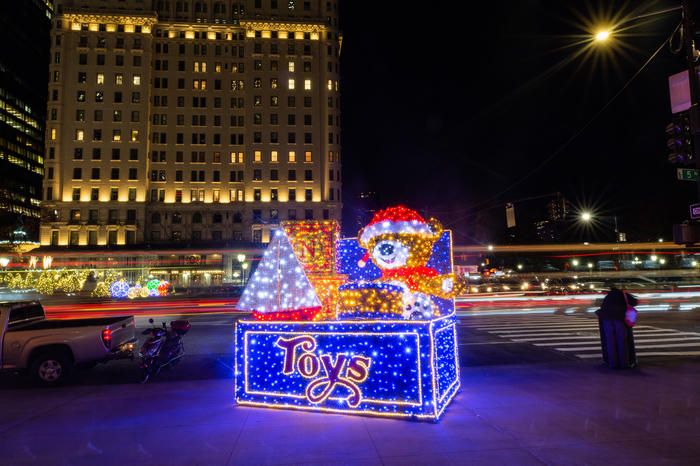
x=489 y=333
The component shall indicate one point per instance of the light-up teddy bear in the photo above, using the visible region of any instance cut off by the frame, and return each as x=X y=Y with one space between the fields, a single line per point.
x=400 y=242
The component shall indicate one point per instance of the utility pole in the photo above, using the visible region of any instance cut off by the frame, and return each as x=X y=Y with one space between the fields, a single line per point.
x=691 y=57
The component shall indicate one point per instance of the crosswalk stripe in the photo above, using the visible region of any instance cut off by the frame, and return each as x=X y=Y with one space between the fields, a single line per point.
x=544 y=329
x=534 y=325
x=579 y=336
x=637 y=342
x=593 y=348
x=594 y=328
x=575 y=336
x=646 y=353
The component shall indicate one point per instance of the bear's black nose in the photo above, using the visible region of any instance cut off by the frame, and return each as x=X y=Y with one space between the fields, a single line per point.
x=386 y=249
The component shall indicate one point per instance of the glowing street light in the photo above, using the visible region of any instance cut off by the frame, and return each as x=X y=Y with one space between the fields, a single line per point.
x=602 y=36
x=586 y=216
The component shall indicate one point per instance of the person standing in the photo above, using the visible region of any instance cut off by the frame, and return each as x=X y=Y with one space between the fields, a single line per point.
x=616 y=337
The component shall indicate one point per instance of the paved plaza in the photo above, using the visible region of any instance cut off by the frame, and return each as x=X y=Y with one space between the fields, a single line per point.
x=562 y=412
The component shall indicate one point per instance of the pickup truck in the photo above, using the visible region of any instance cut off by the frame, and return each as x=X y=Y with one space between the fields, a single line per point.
x=51 y=349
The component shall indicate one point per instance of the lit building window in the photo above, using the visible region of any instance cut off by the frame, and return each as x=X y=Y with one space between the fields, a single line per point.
x=137 y=80
x=216 y=195
x=307 y=84
x=79 y=134
x=290 y=67
x=53 y=134
x=330 y=84
x=291 y=84
x=273 y=156
x=257 y=156
x=134 y=135
x=118 y=79
x=307 y=156
x=116 y=135
x=292 y=156
x=100 y=78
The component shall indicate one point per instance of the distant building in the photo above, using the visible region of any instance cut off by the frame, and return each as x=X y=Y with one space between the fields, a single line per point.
x=191 y=121
x=24 y=64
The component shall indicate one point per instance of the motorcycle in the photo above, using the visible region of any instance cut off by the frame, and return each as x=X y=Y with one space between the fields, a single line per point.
x=163 y=348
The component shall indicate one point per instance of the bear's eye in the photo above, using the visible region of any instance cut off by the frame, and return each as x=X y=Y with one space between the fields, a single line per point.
x=386 y=249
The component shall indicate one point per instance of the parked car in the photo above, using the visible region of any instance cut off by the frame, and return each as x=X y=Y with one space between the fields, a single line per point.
x=51 y=349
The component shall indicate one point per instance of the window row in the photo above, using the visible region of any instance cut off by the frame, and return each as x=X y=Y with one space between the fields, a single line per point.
x=239 y=67
x=234 y=195
x=101 y=59
x=114 y=174
x=96 y=154
x=113 y=216
x=234 y=138
x=102 y=42
x=117 y=98
x=117 y=78
x=132 y=136
x=77 y=194
x=235 y=176
x=236 y=157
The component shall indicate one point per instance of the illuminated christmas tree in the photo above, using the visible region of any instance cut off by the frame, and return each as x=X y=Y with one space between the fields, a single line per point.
x=279 y=288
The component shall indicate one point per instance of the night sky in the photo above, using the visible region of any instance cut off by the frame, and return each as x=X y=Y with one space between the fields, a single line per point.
x=448 y=112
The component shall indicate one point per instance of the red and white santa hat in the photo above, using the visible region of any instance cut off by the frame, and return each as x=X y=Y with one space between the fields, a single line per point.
x=398 y=219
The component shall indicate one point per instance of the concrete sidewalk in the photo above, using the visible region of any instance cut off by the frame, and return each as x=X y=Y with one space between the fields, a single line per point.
x=555 y=413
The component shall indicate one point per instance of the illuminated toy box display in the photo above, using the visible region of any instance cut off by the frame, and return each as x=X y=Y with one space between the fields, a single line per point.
x=361 y=325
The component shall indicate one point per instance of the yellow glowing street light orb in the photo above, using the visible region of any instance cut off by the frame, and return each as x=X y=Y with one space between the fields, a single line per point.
x=586 y=216
x=602 y=36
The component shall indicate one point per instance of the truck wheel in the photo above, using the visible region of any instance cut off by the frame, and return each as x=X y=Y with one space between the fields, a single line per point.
x=51 y=368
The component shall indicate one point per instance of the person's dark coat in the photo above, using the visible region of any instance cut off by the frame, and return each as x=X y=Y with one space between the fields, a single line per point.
x=614 y=307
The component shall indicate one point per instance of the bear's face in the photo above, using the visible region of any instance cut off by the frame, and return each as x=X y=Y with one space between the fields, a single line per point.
x=390 y=254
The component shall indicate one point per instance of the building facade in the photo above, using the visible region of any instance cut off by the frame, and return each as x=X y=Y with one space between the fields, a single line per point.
x=24 y=61
x=190 y=121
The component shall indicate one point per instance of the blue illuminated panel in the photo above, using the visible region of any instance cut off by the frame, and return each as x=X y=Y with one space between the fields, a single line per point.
x=378 y=367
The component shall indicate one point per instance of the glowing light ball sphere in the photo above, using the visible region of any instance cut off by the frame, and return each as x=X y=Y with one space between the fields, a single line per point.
x=143 y=292
x=134 y=292
x=119 y=289
x=163 y=288
x=152 y=287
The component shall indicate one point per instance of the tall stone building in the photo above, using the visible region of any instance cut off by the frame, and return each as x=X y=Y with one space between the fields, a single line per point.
x=24 y=62
x=190 y=121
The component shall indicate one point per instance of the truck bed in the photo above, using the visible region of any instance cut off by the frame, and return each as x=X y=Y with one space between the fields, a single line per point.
x=68 y=323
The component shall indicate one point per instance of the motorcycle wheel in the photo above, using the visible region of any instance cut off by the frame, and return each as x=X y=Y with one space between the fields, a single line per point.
x=148 y=368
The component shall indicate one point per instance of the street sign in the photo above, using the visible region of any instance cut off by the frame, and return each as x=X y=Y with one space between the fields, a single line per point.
x=679 y=91
x=695 y=211
x=510 y=215
x=687 y=174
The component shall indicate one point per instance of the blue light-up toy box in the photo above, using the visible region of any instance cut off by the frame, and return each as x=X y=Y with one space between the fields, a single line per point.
x=385 y=367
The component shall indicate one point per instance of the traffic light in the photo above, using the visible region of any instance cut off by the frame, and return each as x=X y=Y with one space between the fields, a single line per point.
x=680 y=140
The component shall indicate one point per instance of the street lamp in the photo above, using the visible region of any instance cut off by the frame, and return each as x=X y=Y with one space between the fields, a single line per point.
x=589 y=218
x=244 y=266
x=602 y=36
x=574 y=262
x=241 y=261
